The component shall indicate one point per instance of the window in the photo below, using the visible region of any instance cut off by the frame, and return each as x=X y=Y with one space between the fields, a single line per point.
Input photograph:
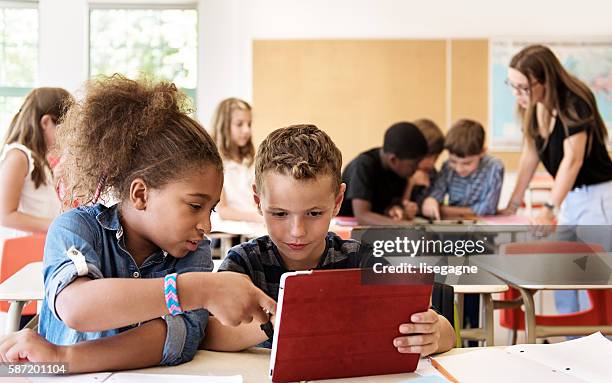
x=157 y=42
x=18 y=57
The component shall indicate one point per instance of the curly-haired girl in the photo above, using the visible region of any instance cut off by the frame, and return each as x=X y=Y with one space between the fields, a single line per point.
x=111 y=272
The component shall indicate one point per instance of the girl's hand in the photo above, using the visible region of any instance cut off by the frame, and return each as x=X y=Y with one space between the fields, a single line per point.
x=28 y=346
x=234 y=299
x=422 y=336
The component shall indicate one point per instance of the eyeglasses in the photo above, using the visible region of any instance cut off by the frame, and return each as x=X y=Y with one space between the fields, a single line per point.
x=526 y=90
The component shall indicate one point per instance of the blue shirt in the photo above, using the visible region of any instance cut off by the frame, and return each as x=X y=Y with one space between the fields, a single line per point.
x=88 y=241
x=480 y=190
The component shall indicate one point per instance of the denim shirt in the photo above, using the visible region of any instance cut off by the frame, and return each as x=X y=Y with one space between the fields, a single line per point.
x=96 y=232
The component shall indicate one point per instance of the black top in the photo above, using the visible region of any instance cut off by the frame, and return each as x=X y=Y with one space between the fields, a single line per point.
x=367 y=179
x=597 y=166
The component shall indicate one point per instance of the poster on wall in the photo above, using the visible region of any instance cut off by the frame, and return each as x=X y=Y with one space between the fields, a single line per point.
x=590 y=61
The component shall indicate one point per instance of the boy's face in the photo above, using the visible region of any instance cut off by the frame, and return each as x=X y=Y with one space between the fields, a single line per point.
x=297 y=214
x=404 y=168
x=464 y=166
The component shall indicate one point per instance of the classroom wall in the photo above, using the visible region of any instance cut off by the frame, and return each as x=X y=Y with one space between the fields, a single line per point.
x=228 y=29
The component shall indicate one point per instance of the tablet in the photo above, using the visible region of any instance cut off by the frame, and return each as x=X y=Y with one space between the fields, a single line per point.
x=330 y=325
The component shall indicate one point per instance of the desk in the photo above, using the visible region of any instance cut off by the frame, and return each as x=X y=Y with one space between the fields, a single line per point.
x=533 y=272
x=22 y=287
x=253 y=365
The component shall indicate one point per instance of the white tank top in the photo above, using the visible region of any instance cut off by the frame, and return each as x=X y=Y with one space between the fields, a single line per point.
x=39 y=202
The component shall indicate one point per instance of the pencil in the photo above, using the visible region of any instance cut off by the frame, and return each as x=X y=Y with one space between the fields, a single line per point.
x=443 y=371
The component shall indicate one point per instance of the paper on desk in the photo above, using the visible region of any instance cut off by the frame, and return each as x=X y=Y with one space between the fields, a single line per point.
x=127 y=377
x=535 y=363
x=80 y=378
x=587 y=358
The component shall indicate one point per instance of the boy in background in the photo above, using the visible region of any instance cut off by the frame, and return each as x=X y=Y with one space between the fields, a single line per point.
x=471 y=179
x=298 y=191
x=376 y=180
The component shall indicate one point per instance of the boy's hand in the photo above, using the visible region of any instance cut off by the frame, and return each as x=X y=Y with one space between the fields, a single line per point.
x=235 y=300
x=28 y=346
x=431 y=208
x=410 y=209
x=422 y=336
x=396 y=212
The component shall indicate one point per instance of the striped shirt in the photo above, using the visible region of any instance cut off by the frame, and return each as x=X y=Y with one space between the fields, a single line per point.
x=479 y=191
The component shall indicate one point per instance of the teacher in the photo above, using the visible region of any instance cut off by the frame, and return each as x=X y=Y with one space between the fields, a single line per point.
x=563 y=129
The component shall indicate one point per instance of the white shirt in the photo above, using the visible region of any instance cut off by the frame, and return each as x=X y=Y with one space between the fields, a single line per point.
x=238 y=185
x=39 y=202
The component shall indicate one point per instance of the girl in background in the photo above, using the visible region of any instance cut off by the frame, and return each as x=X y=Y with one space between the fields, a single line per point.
x=28 y=200
x=231 y=131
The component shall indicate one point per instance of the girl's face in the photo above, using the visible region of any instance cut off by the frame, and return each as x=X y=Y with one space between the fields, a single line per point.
x=524 y=89
x=178 y=214
x=240 y=127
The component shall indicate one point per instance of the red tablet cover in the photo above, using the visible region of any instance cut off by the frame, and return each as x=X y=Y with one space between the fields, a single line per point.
x=330 y=325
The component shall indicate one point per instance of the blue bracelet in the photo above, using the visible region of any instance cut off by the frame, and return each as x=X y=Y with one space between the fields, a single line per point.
x=171 y=295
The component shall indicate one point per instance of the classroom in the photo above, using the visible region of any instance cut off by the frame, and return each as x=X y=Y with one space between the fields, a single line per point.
x=284 y=190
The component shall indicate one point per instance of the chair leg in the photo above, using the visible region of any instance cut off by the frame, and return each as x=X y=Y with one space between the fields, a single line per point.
x=512 y=336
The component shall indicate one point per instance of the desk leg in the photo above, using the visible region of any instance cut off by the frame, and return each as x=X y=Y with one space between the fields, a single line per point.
x=488 y=324
x=14 y=316
x=530 y=323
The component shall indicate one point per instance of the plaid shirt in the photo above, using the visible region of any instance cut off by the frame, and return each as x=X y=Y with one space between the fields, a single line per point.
x=261 y=261
x=479 y=191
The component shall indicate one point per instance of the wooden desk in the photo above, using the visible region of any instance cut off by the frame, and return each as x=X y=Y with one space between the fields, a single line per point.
x=22 y=287
x=253 y=365
x=533 y=272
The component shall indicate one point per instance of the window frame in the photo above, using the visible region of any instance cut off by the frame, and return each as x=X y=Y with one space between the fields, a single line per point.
x=192 y=93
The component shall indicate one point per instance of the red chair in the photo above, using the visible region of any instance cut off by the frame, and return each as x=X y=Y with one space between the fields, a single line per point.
x=16 y=253
x=600 y=312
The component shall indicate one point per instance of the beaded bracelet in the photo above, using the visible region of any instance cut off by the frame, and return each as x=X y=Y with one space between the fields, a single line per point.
x=171 y=295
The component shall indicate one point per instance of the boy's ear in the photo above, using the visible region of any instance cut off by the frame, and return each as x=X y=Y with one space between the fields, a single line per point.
x=256 y=198
x=339 y=199
x=139 y=194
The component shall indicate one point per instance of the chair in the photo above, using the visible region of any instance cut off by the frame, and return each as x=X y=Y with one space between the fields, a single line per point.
x=600 y=312
x=16 y=253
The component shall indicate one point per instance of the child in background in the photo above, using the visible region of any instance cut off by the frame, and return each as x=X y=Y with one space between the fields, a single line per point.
x=376 y=179
x=471 y=179
x=423 y=179
x=298 y=192
x=231 y=131
x=28 y=201
x=113 y=299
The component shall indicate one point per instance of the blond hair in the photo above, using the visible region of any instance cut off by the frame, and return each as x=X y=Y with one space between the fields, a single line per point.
x=303 y=151
x=221 y=126
x=433 y=135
